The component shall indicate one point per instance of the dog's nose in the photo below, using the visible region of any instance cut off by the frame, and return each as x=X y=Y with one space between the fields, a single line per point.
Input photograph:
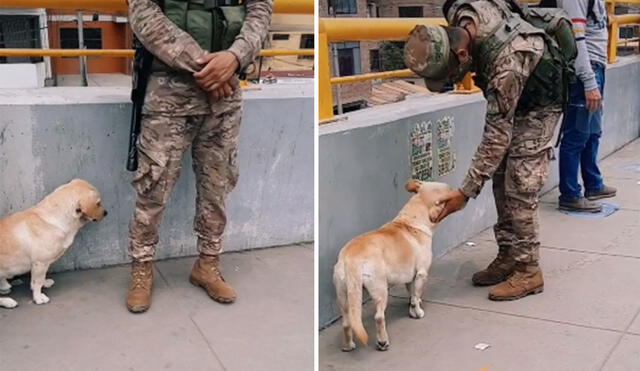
x=105 y=213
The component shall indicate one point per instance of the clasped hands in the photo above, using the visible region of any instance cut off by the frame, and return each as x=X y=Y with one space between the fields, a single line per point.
x=218 y=74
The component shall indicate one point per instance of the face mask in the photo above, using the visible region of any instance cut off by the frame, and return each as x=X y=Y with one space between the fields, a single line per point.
x=462 y=70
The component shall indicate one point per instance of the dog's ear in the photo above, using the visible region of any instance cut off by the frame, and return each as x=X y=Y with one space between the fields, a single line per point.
x=435 y=210
x=413 y=185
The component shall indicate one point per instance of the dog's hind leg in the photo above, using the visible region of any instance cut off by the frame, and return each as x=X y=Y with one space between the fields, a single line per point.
x=419 y=283
x=5 y=286
x=379 y=292
x=347 y=339
x=38 y=274
x=8 y=303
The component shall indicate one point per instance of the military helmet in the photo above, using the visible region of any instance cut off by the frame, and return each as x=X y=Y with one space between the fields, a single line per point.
x=427 y=53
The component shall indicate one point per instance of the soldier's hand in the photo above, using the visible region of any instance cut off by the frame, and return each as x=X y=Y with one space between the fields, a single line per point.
x=225 y=90
x=594 y=99
x=453 y=201
x=218 y=68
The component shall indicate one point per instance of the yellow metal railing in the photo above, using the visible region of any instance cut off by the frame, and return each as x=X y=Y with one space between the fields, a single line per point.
x=358 y=29
x=374 y=29
x=123 y=52
x=279 y=6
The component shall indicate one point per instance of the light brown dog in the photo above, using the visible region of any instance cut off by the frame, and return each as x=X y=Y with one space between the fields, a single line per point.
x=31 y=240
x=398 y=252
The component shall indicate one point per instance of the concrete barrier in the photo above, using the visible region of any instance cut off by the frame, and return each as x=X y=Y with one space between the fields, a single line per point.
x=49 y=136
x=364 y=162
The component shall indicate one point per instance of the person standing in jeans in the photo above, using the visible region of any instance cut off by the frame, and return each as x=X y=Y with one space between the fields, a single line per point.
x=582 y=125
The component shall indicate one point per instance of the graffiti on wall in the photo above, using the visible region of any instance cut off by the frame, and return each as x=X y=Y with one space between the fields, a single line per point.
x=423 y=161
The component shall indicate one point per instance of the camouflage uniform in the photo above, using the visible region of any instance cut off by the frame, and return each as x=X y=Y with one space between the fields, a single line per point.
x=178 y=114
x=516 y=146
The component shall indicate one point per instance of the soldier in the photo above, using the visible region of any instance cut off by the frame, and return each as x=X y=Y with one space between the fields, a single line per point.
x=523 y=108
x=192 y=99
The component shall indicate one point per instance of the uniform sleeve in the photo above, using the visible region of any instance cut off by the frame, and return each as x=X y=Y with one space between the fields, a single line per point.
x=247 y=45
x=502 y=94
x=162 y=37
x=577 y=10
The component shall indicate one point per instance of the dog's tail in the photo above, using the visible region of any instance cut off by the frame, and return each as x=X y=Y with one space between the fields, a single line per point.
x=354 y=302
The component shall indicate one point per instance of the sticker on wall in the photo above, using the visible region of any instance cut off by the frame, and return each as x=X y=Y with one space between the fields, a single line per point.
x=422 y=151
x=446 y=155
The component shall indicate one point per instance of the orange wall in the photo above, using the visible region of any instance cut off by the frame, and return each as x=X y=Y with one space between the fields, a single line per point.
x=114 y=36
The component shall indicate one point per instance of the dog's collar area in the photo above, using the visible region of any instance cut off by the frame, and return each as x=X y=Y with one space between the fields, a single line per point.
x=406 y=223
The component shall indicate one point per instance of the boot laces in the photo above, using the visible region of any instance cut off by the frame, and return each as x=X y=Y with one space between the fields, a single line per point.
x=139 y=277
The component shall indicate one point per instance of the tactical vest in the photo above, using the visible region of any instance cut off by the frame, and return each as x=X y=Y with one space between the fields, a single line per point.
x=213 y=24
x=549 y=82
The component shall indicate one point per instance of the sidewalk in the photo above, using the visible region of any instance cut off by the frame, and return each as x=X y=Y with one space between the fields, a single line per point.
x=586 y=319
x=87 y=327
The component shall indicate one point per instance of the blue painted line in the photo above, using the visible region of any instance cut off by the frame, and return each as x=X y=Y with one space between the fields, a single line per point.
x=635 y=168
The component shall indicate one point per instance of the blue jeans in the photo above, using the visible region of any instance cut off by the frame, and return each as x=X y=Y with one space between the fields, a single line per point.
x=580 y=140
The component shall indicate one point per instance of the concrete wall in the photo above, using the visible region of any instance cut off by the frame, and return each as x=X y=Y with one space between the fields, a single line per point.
x=364 y=162
x=49 y=136
x=22 y=75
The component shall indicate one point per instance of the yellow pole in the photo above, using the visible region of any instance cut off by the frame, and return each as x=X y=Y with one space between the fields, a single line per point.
x=121 y=52
x=613 y=32
x=371 y=76
x=279 y=6
x=363 y=29
x=325 y=98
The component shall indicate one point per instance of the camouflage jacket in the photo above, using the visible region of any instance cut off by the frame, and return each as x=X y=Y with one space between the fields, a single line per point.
x=175 y=92
x=510 y=72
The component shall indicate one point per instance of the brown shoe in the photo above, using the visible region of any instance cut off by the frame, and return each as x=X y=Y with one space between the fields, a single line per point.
x=139 y=296
x=605 y=192
x=501 y=268
x=206 y=274
x=526 y=280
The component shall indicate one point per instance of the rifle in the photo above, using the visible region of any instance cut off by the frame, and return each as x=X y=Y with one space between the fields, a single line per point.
x=141 y=71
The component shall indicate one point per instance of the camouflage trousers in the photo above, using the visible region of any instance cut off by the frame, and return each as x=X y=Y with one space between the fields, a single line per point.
x=162 y=143
x=519 y=179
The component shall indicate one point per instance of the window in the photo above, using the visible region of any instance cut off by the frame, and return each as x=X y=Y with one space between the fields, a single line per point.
x=344 y=6
x=410 y=12
x=20 y=31
x=280 y=36
x=306 y=42
x=69 y=38
x=348 y=58
x=372 y=10
x=374 y=58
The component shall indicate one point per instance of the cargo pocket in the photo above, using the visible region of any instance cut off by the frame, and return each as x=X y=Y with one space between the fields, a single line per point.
x=148 y=180
x=528 y=173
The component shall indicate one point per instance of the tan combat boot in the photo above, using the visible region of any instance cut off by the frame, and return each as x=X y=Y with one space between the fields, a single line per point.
x=206 y=274
x=498 y=270
x=139 y=297
x=526 y=280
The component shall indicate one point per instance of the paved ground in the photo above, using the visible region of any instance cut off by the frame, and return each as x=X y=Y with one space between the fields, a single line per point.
x=587 y=318
x=86 y=326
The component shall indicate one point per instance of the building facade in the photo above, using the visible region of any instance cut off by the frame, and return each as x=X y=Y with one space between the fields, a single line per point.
x=355 y=57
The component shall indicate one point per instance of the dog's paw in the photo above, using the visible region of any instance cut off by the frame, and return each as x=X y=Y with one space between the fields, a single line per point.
x=48 y=283
x=8 y=303
x=349 y=347
x=382 y=345
x=416 y=312
x=40 y=299
x=5 y=291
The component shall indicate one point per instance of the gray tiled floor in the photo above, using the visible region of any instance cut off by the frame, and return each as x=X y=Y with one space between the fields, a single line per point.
x=587 y=318
x=87 y=327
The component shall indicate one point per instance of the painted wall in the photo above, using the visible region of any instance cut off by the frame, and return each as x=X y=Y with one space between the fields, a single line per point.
x=49 y=136
x=365 y=161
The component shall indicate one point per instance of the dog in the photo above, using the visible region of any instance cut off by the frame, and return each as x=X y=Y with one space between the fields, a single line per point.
x=32 y=239
x=398 y=252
